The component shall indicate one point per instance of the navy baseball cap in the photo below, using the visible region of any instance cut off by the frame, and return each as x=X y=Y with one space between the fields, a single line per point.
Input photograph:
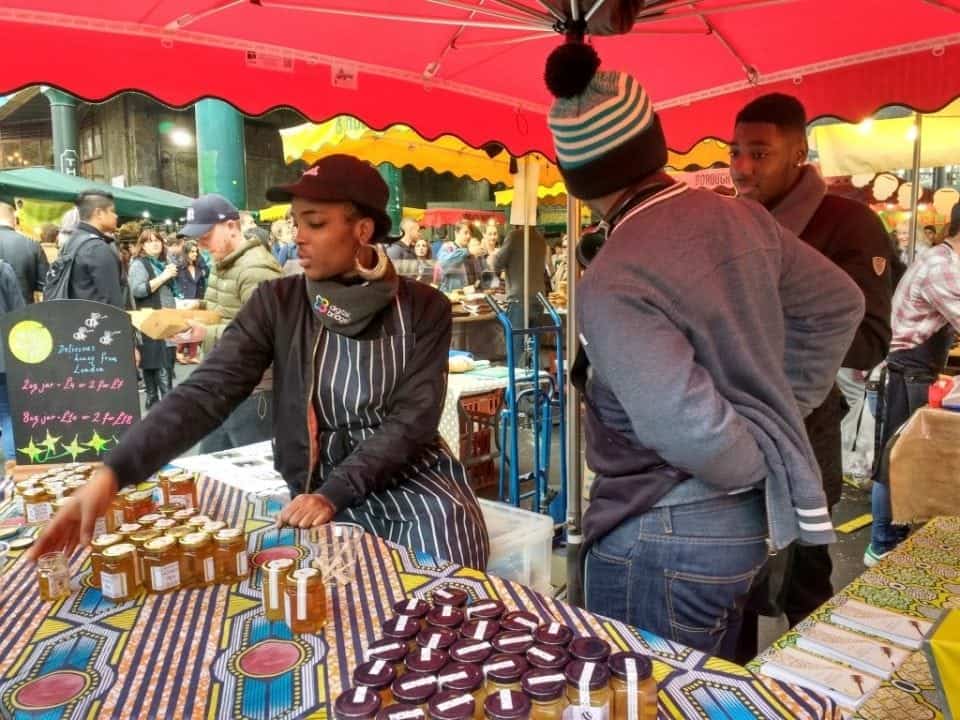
x=207 y=211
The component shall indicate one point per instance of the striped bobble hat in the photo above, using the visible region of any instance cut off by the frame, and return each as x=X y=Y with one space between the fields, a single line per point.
x=606 y=134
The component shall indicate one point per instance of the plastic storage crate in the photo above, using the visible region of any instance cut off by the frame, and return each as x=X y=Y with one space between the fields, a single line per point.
x=520 y=544
x=478 y=422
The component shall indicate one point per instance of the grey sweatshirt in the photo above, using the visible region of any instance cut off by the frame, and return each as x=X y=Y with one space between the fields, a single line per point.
x=716 y=331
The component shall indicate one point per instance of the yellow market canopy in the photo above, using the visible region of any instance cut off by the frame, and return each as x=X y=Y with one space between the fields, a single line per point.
x=879 y=145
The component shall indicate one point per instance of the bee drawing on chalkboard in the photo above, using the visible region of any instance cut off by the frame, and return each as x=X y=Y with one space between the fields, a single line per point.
x=107 y=337
x=81 y=334
x=94 y=320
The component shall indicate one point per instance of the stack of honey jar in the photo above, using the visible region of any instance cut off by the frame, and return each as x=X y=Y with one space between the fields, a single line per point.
x=40 y=495
x=295 y=595
x=143 y=544
x=450 y=661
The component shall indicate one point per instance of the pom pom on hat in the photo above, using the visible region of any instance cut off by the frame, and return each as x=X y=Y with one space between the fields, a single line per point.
x=570 y=68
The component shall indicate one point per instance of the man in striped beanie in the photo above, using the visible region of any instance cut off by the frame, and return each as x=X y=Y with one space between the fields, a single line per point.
x=707 y=333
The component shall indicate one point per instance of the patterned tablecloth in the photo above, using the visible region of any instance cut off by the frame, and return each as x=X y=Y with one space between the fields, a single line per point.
x=920 y=578
x=210 y=653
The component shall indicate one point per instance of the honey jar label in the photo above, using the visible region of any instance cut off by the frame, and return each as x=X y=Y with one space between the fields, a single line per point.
x=113 y=585
x=586 y=712
x=455 y=702
x=59 y=584
x=184 y=501
x=118 y=518
x=39 y=512
x=242 y=567
x=100 y=527
x=209 y=570
x=544 y=679
x=526 y=622
x=632 y=710
x=165 y=577
x=519 y=639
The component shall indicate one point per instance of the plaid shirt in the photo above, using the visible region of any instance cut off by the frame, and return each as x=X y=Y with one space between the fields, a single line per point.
x=927 y=298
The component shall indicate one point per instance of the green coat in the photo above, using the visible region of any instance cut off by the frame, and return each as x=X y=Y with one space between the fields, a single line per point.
x=233 y=281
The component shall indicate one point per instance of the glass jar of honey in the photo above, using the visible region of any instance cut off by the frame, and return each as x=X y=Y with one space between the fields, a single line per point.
x=137 y=504
x=480 y=629
x=183 y=515
x=213 y=527
x=127 y=529
x=464 y=678
x=506 y=705
x=445 y=616
x=197 y=566
x=504 y=672
x=161 y=564
x=436 y=638
x=168 y=510
x=519 y=621
x=306 y=601
x=415 y=689
x=149 y=520
x=548 y=657
x=118 y=577
x=588 y=691
x=358 y=703
x=516 y=643
x=231 y=555
x=181 y=489
x=402 y=628
x=633 y=686
x=452 y=705
x=53 y=576
x=18 y=490
x=486 y=610
x=465 y=650
x=401 y=711
x=450 y=596
x=547 y=692
x=115 y=514
x=37 y=505
x=273 y=575
x=164 y=524
x=414 y=608
x=178 y=532
x=553 y=634
x=427 y=660
x=393 y=651
x=97 y=546
x=590 y=649
x=378 y=675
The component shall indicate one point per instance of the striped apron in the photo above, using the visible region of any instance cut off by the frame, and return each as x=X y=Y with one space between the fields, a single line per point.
x=431 y=508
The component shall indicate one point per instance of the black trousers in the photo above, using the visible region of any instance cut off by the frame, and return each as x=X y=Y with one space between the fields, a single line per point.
x=157 y=383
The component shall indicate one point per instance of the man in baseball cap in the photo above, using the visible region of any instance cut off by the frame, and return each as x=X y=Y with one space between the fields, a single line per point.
x=206 y=213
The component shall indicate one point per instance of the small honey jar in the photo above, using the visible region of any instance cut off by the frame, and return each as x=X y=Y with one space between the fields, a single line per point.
x=37 y=505
x=53 y=576
x=198 y=568
x=115 y=513
x=230 y=555
x=274 y=573
x=149 y=519
x=168 y=510
x=306 y=601
x=128 y=529
x=164 y=524
x=118 y=577
x=137 y=504
x=98 y=545
x=213 y=527
x=179 y=489
x=18 y=490
x=183 y=515
x=178 y=532
x=138 y=539
x=198 y=521
x=161 y=564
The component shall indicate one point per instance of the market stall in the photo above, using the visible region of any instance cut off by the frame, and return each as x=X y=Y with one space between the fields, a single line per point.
x=210 y=652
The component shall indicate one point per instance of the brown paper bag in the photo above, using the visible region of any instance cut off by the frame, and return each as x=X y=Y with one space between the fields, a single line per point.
x=925 y=467
x=165 y=323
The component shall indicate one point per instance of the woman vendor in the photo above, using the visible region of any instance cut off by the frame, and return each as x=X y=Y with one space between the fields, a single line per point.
x=359 y=360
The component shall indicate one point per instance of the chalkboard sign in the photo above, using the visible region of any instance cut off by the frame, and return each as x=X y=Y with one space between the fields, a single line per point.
x=71 y=379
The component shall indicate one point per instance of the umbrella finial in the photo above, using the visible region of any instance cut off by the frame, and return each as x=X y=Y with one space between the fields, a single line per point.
x=570 y=68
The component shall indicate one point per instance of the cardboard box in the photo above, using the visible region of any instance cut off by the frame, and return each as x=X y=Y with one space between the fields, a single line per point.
x=165 y=323
x=942 y=648
x=925 y=467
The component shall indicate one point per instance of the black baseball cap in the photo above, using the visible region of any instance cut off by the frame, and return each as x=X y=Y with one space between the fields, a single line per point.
x=207 y=211
x=342 y=178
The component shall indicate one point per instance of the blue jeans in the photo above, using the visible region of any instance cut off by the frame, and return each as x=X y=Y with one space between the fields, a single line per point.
x=6 y=422
x=884 y=535
x=682 y=572
x=251 y=422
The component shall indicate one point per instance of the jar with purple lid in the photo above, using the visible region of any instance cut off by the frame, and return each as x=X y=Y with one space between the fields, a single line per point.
x=519 y=621
x=504 y=672
x=553 y=633
x=633 y=687
x=378 y=675
x=427 y=660
x=462 y=677
x=393 y=651
x=450 y=596
x=415 y=689
x=402 y=628
x=588 y=688
x=359 y=703
x=445 y=616
x=590 y=649
x=436 y=638
x=480 y=629
x=548 y=657
x=401 y=711
x=486 y=610
x=470 y=651
x=452 y=705
x=413 y=607
x=506 y=705
x=547 y=692
x=516 y=643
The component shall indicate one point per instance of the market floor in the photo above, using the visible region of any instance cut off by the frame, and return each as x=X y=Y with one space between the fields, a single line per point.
x=847 y=553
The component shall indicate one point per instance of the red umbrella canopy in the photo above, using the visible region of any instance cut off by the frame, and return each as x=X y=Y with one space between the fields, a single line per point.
x=474 y=67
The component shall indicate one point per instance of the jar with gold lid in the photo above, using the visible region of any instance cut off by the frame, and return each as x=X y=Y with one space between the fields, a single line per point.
x=97 y=546
x=231 y=555
x=137 y=504
x=128 y=529
x=181 y=489
x=168 y=511
x=161 y=564
x=306 y=601
x=178 y=532
x=213 y=527
x=53 y=576
x=149 y=519
x=37 y=505
x=18 y=490
x=138 y=539
x=164 y=524
x=118 y=577
x=198 y=567
x=198 y=521
x=273 y=574
x=115 y=513
x=183 y=515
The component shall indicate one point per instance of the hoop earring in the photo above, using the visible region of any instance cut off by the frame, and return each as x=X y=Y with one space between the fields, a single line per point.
x=378 y=270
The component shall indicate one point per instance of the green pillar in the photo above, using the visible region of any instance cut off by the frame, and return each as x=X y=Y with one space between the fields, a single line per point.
x=221 y=158
x=393 y=177
x=63 y=118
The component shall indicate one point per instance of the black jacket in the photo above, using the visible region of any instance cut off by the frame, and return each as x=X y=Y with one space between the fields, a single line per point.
x=851 y=235
x=27 y=259
x=97 y=270
x=277 y=325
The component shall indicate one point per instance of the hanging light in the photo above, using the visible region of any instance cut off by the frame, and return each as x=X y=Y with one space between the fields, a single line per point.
x=912 y=133
x=865 y=126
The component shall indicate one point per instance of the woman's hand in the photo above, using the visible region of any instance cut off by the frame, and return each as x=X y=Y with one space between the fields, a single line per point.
x=75 y=521
x=307 y=511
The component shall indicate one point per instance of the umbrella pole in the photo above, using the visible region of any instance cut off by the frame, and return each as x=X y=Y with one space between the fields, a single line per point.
x=574 y=462
x=915 y=188
x=527 y=284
